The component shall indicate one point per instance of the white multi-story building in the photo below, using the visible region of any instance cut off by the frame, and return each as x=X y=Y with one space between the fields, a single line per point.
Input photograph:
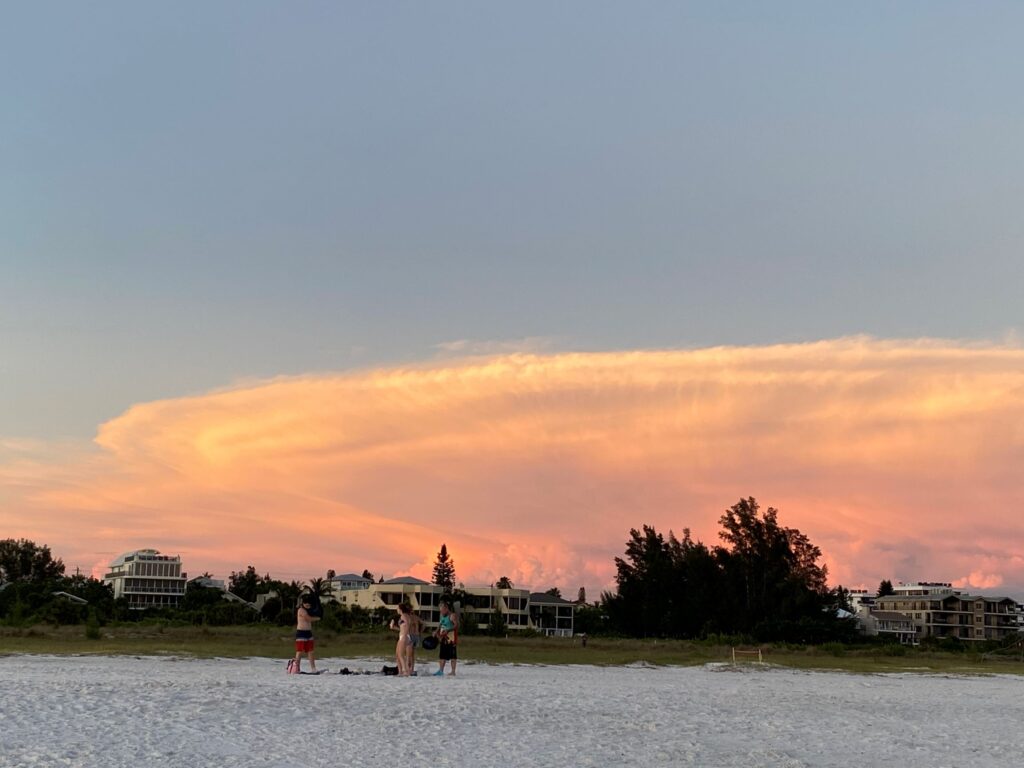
x=514 y=605
x=519 y=609
x=424 y=597
x=146 y=579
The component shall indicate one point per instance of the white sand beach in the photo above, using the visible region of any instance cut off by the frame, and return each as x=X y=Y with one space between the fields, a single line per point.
x=112 y=712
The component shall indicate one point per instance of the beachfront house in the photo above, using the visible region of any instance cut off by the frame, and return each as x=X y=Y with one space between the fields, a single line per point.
x=347 y=581
x=551 y=615
x=424 y=597
x=892 y=625
x=147 y=579
x=519 y=609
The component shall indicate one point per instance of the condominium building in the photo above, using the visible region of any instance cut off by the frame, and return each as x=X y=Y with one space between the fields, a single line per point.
x=146 y=579
x=513 y=604
x=951 y=614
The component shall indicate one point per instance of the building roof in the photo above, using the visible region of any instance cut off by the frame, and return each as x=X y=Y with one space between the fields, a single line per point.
x=121 y=557
x=72 y=598
x=351 y=577
x=544 y=598
x=950 y=596
x=408 y=580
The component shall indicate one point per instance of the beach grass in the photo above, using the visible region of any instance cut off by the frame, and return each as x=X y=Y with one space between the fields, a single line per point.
x=277 y=642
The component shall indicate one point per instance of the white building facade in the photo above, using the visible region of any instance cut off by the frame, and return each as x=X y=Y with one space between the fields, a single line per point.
x=548 y=615
x=147 y=579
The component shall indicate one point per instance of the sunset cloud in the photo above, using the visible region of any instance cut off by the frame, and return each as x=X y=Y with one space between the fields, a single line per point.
x=900 y=459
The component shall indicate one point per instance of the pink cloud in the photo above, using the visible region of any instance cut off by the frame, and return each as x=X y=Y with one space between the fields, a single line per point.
x=899 y=459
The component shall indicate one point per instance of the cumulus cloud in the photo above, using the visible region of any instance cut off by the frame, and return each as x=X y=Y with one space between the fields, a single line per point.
x=899 y=459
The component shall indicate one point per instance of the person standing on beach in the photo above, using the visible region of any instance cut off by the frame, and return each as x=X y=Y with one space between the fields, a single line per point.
x=403 y=624
x=448 y=634
x=304 y=636
x=415 y=628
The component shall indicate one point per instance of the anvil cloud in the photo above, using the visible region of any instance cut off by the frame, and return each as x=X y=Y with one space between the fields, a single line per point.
x=900 y=459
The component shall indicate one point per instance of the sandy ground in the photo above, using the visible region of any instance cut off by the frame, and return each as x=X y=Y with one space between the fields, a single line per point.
x=111 y=712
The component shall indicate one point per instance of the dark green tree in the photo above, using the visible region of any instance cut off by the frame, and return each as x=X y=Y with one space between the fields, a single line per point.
x=771 y=572
x=497 y=626
x=764 y=580
x=24 y=560
x=842 y=601
x=553 y=591
x=444 y=570
x=504 y=583
x=198 y=597
x=885 y=588
x=320 y=587
x=247 y=584
x=638 y=606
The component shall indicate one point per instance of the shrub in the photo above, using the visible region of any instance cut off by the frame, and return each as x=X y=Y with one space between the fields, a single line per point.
x=836 y=649
x=894 y=649
x=92 y=626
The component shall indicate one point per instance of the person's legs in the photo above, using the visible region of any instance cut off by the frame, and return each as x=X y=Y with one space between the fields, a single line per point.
x=411 y=657
x=400 y=655
x=455 y=661
x=312 y=657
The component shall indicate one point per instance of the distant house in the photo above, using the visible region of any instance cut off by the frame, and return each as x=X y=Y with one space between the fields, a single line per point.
x=895 y=626
x=348 y=581
x=551 y=615
x=219 y=584
x=147 y=579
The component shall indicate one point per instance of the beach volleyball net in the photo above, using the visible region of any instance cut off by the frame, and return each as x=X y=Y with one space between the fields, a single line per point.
x=747 y=656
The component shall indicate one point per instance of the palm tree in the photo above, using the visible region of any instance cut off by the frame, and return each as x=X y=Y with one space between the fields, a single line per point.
x=320 y=587
x=289 y=595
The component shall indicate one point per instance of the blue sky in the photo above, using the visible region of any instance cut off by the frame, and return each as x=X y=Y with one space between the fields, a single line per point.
x=194 y=194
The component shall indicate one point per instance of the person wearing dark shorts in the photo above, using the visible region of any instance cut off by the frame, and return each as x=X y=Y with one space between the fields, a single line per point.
x=448 y=634
x=304 y=637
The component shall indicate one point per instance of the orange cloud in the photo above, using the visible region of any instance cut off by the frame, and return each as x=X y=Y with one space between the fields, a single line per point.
x=900 y=459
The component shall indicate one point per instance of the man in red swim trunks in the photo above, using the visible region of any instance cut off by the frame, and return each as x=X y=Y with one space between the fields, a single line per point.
x=304 y=636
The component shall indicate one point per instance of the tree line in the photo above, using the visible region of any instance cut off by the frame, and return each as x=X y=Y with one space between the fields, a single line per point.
x=764 y=580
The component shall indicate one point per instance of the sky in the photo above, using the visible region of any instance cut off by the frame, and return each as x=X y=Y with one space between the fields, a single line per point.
x=324 y=285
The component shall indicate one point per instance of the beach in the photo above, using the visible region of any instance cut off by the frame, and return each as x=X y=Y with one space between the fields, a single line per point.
x=124 y=711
